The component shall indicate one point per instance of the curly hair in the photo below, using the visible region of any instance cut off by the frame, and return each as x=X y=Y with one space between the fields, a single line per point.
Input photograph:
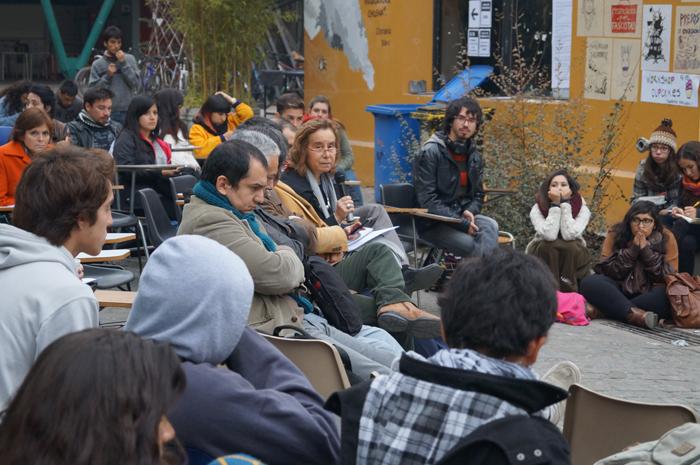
x=13 y=96
x=93 y=397
x=298 y=152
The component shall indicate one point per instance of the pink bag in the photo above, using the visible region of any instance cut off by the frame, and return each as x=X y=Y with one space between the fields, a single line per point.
x=571 y=309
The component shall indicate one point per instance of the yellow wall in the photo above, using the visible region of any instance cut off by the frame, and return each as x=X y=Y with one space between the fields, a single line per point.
x=408 y=56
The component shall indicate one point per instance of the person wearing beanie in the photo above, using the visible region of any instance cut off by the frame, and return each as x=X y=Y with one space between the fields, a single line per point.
x=658 y=175
x=259 y=403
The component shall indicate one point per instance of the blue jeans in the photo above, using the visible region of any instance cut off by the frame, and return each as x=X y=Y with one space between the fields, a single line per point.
x=372 y=349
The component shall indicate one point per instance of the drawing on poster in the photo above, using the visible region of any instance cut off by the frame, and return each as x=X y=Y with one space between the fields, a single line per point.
x=597 y=85
x=590 y=18
x=687 y=52
x=657 y=37
x=625 y=74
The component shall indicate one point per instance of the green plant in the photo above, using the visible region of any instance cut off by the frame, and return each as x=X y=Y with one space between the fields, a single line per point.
x=222 y=38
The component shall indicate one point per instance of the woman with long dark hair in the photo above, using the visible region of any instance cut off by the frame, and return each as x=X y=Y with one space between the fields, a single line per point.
x=139 y=144
x=97 y=396
x=560 y=217
x=658 y=173
x=172 y=129
x=12 y=101
x=220 y=115
x=31 y=135
x=629 y=282
x=687 y=203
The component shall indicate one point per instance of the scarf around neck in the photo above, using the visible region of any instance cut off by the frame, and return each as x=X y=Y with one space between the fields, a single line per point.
x=326 y=188
x=207 y=192
x=576 y=202
x=690 y=186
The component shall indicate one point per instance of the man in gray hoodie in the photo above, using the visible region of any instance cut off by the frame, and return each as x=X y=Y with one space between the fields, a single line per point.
x=259 y=403
x=62 y=208
x=117 y=71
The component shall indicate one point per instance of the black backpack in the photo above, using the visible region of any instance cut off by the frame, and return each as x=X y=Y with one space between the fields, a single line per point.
x=331 y=294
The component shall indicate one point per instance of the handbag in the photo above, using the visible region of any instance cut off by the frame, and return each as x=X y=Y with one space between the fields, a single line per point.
x=683 y=291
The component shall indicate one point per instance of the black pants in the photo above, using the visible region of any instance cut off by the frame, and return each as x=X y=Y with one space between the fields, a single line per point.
x=606 y=295
x=688 y=238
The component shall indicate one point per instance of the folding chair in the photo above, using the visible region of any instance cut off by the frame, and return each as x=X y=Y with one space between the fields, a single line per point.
x=317 y=359
x=159 y=226
x=597 y=426
x=181 y=185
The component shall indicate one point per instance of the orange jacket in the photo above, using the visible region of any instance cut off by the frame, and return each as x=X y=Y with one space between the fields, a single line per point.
x=200 y=137
x=13 y=161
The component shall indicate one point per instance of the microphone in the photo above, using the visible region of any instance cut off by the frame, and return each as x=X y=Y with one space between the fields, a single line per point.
x=339 y=178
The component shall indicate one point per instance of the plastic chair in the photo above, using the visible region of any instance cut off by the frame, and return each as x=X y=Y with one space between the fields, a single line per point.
x=5 y=133
x=159 y=226
x=109 y=276
x=181 y=185
x=317 y=359
x=597 y=426
x=121 y=220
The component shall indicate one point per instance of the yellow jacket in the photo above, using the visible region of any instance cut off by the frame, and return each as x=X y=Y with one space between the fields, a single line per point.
x=330 y=239
x=200 y=137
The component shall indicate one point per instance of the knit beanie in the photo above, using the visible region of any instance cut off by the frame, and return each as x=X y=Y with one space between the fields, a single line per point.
x=664 y=134
x=195 y=294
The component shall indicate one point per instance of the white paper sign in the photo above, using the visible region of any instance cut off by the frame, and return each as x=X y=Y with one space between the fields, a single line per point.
x=474 y=14
x=486 y=10
x=473 y=42
x=670 y=88
x=656 y=37
x=484 y=42
x=562 y=13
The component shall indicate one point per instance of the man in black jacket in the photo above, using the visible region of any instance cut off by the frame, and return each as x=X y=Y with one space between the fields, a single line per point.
x=93 y=127
x=448 y=177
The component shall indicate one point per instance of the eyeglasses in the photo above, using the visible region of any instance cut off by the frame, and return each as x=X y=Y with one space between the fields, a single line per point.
x=660 y=148
x=319 y=148
x=642 y=221
x=465 y=119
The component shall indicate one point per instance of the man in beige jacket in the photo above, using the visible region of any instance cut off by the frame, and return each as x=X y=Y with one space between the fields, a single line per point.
x=233 y=184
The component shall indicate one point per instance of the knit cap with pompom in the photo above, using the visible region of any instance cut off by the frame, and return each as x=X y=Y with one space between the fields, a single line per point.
x=664 y=134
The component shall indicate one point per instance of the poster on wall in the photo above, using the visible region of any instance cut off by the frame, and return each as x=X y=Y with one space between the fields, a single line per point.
x=623 y=18
x=598 y=65
x=670 y=88
x=625 y=69
x=687 y=49
x=479 y=32
x=590 y=17
x=656 y=37
x=561 y=46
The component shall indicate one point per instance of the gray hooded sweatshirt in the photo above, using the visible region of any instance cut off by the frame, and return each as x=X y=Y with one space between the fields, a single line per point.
x=196 y=294
x=41 y=299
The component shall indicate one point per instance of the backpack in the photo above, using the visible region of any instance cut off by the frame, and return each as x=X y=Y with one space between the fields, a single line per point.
x=683 y=291
x=512 y=440
x=331 y=294
x=680 y=446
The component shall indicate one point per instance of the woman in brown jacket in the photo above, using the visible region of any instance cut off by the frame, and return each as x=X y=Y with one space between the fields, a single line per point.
x=629 y=281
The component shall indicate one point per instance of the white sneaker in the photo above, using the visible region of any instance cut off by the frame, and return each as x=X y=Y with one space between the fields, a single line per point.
x=562 y=375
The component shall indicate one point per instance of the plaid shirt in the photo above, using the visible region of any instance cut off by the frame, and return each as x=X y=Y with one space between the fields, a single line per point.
x=642 y=188
x=406 y=420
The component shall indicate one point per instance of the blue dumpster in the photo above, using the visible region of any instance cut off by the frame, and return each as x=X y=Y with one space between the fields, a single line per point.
x=397 y=133
x=394 y=133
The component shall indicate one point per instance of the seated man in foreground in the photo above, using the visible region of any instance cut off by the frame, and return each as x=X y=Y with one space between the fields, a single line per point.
x=63 y=208
x=496 y=313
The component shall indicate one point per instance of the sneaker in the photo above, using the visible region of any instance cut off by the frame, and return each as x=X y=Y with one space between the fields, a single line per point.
x=404 y=317
x=562 y=375
x=418 y=279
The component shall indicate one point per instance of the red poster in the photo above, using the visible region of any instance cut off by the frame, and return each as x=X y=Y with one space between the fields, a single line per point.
x=624 y=19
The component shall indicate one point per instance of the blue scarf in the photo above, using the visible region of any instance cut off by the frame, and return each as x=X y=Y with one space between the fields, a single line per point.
x=207 y=192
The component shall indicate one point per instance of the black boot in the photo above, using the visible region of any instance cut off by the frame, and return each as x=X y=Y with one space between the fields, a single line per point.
x=421 y=278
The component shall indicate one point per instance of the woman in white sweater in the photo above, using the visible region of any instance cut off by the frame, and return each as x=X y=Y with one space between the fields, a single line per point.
x=560 y=217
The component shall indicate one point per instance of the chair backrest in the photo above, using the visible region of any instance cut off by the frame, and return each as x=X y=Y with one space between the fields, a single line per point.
x=159 y=226
x=317 y=359
x=5 y=132
x=181 y=185
x=597 y=426
x=402 y=195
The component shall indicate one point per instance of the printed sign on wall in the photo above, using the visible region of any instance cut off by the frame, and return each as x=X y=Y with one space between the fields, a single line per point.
x=623 y=18
x=687 y=50
x=479 y=31
x=670 y=88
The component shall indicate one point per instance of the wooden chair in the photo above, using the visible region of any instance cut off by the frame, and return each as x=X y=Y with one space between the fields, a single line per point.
x=597 y=426
x=317 y=359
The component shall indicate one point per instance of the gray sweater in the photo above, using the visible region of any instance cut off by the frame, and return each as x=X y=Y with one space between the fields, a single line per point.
x=125 y=83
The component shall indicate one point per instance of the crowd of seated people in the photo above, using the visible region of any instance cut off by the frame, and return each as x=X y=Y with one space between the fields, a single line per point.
x=191 y=374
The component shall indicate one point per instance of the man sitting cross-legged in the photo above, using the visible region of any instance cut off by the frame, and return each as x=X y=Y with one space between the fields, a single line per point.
x=496 y=313
x=233 y=182
x=62 y=208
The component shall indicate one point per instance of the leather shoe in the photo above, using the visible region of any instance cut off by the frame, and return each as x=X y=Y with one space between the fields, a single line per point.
x=418 y=279
x=405 y=317
x=642 y=319
x=593 y=313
